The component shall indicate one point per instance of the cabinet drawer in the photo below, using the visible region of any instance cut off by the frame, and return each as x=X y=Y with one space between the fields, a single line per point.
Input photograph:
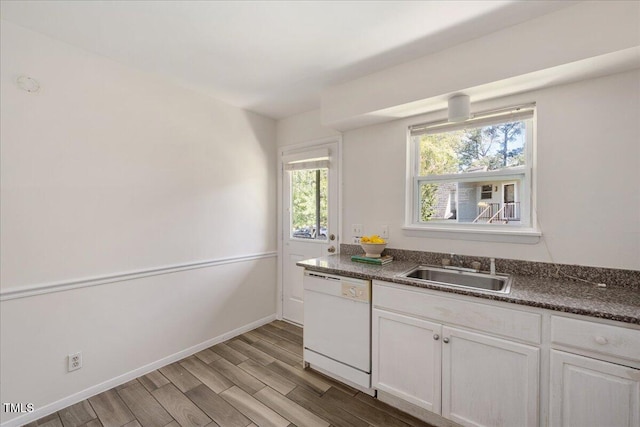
x=605 y=339
x=487 y=318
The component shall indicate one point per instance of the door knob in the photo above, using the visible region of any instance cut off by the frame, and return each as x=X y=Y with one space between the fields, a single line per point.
x=436 y=337
x=331 y=249
x=445 y=340
x=332 y=236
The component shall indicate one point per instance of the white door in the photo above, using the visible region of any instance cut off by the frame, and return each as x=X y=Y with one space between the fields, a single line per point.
x=488 y=381
x=587 y=392
x=309 y=216
x=406 y=358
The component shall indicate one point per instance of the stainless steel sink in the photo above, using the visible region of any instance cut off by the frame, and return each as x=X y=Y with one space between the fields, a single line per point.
x=499 y=283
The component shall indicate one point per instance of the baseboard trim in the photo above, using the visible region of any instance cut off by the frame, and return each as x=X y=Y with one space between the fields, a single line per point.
x=121 y=379
x=46 y=288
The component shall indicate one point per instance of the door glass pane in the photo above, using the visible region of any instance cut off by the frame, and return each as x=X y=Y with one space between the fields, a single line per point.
x=309 y=206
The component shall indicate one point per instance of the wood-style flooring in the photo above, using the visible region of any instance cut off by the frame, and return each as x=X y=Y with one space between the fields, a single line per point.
x=255 y=379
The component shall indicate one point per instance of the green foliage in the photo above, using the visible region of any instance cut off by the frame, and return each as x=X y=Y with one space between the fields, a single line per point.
x=438 y=153
x=437 y=157
x=428 y=201
x=474 y=151
x=505 y=133
x=483 y=148
x=303 y=198
x=487 y=148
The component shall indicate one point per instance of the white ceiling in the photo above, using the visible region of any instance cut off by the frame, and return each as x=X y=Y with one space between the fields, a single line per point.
x=272 y=57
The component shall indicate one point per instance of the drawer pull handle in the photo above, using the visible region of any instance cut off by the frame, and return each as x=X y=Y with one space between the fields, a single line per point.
x=601 y=340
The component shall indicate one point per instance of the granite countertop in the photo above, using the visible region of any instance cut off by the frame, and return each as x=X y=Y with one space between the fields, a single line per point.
x=613 y=302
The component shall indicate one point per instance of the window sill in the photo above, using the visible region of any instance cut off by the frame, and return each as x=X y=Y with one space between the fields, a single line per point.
x=521 y=235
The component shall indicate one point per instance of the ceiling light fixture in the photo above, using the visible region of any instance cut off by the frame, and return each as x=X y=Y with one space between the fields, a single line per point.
x=459 y=108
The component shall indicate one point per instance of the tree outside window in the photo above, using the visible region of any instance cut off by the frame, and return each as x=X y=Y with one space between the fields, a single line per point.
x=464 y=153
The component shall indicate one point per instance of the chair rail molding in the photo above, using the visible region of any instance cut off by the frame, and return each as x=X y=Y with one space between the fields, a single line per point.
x=45 y=288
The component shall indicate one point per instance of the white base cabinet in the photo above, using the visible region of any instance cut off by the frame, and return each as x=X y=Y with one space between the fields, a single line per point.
x=488 y=364
x=468 y=377
x=406 y=359
x=594 y=377
x=587 y=392
x=488 y=381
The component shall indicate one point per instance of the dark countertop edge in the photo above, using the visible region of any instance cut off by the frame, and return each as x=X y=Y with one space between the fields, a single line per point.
x=482 y=295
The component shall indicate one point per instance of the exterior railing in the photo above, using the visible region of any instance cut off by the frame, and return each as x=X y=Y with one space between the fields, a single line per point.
x=498 y=212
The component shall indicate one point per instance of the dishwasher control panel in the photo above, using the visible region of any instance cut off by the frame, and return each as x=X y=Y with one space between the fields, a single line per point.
x=355 y=291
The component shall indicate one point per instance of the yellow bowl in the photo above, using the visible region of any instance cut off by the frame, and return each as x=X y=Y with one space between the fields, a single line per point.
x=373 y=250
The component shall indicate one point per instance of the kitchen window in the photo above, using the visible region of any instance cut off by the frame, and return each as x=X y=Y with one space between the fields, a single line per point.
x=475 y=176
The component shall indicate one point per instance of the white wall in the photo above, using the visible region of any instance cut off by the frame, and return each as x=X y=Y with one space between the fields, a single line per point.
x=109 y=170
x=115 y=160
x=581 y=32
x=124 y=329
x=588 y=156
x=588 y=173
x=302 y=128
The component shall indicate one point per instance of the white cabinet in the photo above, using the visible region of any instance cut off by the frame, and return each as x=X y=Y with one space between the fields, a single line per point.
x=488 y=381
x=469 y=377
x=406 y=358
x=607 y=342
x=491 y=363
x=586 y=391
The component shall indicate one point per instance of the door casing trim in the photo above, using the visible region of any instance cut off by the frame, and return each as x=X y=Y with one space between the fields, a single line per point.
x=281 y=152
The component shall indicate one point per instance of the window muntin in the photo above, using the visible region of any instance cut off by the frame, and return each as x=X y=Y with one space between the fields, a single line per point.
x=474 y=174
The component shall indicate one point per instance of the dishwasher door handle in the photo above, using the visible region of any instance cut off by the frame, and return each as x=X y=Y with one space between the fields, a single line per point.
x=322 y=276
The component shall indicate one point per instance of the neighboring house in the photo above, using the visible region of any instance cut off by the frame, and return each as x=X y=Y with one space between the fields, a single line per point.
x=498 y=202
x=483 y=202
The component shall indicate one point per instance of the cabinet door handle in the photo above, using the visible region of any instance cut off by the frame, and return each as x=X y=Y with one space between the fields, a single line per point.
x=445 y=340
x=436 y=337
x=601 y=340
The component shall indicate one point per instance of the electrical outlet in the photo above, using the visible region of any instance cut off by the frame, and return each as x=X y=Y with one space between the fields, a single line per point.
x=75 y=361
x=356 y=240
x=384 y=232
x=356 y=230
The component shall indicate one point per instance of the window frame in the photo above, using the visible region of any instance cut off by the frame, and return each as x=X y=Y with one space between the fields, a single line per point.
x=525 y=232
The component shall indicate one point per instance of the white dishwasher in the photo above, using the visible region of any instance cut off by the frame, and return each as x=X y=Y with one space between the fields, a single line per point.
x=337 y=327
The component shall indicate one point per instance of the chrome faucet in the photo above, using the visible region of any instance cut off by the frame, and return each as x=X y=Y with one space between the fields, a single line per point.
x=456 y=263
